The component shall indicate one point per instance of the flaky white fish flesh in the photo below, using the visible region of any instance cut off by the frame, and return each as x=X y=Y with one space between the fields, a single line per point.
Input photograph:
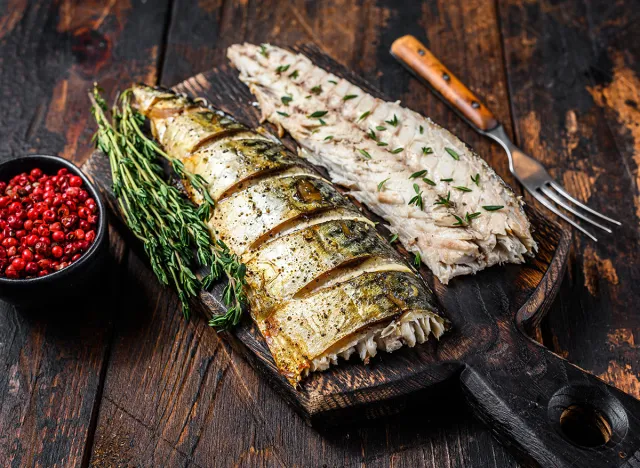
x=441 y=199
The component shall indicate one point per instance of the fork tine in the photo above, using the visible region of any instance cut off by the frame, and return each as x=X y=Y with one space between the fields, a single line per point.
x=581 y=205
x=538 y=196
x=567 y=207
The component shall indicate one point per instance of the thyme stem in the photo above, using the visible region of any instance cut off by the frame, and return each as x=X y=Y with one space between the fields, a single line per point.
x=173 y=231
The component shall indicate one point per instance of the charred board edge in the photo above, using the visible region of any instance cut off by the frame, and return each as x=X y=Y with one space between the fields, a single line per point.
x=532 y=312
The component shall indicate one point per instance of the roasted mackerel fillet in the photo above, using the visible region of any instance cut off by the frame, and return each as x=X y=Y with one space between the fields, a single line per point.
x=441 y=199
x=321 y=282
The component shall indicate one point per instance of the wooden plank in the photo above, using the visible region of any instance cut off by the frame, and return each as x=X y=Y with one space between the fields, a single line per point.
x=224 y=392
x=54 y=362
x=578 y=114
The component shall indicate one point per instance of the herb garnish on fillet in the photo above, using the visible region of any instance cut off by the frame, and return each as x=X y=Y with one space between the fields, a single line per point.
x=453 y=154
x=500 y=237
x=381 y=184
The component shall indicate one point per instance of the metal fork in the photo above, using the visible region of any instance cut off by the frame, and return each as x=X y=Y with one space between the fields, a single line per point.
x=539 y=183
x=529 y=172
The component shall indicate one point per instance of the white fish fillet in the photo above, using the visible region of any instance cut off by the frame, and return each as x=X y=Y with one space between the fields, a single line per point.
x=362 y=141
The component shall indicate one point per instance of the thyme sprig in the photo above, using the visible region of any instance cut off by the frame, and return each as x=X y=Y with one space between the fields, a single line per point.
x=417 y=200
x=172 y=229
x=444 y=201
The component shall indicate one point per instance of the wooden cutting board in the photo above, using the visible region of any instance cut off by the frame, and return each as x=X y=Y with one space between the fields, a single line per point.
x=544 y=407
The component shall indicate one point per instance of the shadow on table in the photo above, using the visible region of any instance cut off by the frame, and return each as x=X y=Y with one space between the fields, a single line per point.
x=84 y=312
x=427 y=424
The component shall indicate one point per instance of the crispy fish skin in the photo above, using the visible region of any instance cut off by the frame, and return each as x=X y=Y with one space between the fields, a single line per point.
x=232 y=161
x=251 y=215
x=192 y=130
x=300 y=260
x=321 y=282
x=317 y=323
x=365 y=141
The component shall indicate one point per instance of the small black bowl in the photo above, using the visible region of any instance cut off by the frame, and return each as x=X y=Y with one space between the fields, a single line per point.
x=77 y=279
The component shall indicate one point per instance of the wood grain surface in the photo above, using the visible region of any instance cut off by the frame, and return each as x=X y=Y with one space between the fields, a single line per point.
x=55 y=362
x=142 y=387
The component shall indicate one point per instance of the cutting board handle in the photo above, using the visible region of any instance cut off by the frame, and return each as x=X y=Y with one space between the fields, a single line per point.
x=551 y=411
x=426 y=66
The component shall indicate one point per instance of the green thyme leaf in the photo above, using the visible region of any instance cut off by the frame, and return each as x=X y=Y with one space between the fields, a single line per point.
x=415 y=175
x=333 y=81
x=317 y=114
x=446 y=180
x=381 y=184
x=393 y=122
x=427 y=150
x=263 y=51
x=417 y=259
x=365 y=153
x=428 y=181
x=349 y=96
x=470 y=216
x=282 y=68
x=492 y=207
x=382 y=143
x=476 y=179
x=380 y=128
x=417 y=200
x=364 y=116
x=453 y=154
x=462 y=188
x=444 y=201
x=294 y=75
x=397 y=150
x=316 y=90
x=421 y=129
x=286 y=100
x=328 y=137
x=284 y=114
x=393 y=238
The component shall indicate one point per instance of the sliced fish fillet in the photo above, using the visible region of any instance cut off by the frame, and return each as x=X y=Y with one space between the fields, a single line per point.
x=321 y=282
x=442 y=200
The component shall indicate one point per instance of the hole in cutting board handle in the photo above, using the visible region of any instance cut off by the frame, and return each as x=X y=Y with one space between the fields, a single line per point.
x=584 y=425
x=588 y=416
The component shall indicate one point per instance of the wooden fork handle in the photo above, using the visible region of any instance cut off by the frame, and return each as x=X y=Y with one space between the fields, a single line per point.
x=418 y=59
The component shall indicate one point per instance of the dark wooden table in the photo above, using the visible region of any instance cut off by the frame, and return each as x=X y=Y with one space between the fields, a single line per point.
x=131 y=383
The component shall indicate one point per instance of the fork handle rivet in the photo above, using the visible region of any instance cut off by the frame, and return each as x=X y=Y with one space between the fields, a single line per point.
x=475 y=104
x=445 y=76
